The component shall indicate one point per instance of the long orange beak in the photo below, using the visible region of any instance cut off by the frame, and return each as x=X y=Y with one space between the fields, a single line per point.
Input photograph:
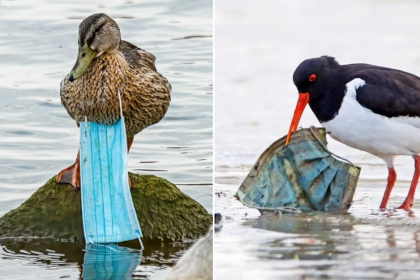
x=300 y=107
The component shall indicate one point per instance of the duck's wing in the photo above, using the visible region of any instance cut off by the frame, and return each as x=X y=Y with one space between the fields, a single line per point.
x=138 y=57
x=144 y=63
x=65 y=98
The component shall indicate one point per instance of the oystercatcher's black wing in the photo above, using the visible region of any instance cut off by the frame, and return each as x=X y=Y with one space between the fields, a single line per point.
x=388 y=92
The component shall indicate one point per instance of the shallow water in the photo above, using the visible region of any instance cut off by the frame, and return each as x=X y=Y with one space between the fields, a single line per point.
x=257 y=49
x=48 y=259
x=38 y=41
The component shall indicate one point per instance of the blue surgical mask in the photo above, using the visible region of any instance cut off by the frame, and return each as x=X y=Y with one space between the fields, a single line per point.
x=303 y=175
x=107 y=207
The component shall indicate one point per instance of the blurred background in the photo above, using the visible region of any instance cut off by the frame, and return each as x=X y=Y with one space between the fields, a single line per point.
x=38 y=48
x=257 y=48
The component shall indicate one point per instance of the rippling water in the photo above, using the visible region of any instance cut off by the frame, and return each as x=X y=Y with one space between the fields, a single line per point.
x=48 y=259
x=38 y=47
x=257 y=49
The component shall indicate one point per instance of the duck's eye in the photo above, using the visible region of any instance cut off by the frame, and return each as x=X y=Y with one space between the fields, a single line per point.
x=97 y=29
x=312 y=77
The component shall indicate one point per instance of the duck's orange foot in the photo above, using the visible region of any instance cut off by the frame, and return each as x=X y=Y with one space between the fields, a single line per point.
x=70 y=175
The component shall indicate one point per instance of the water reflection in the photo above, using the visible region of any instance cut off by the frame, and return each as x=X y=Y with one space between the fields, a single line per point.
x=380 y=245
x=311 y=238
x=80 y=261
x=109 y=262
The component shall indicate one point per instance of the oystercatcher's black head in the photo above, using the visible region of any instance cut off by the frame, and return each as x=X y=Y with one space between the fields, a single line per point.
x=311 y=74
x=313 y=78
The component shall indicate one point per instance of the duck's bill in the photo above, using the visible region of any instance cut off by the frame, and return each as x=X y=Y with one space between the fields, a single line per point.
x=300 y=107
x=84 y=58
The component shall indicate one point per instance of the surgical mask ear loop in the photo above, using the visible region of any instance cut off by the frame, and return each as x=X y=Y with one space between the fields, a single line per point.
x=119 y=99
x=80 y=150
x=141 y=243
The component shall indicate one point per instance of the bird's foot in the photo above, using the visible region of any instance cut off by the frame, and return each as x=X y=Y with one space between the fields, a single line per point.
x=407 y=204
x=129 y=183
x=70 y=175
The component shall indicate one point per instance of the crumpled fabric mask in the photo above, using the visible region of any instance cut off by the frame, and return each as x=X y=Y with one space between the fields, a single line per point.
x=107 y=207
x=303 y=175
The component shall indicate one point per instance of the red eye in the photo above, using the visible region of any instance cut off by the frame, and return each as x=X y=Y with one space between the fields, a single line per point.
x=312 y=77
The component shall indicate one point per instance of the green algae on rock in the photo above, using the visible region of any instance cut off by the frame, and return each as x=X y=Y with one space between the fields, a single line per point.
x=54 y=211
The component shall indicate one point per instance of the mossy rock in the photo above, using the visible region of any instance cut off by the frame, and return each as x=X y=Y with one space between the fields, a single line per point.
x=54 y=211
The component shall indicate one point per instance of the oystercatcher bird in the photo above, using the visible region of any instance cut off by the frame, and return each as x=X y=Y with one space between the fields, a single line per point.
x=367 y=107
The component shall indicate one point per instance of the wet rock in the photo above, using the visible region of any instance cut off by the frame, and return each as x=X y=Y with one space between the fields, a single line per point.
x=220 y=193
x=217 y=222
x=217 y=218
x=197 y=263
x=54 y=211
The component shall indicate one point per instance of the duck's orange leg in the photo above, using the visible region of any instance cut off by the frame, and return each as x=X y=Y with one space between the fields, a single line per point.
x=71 y=175
x=129 y=143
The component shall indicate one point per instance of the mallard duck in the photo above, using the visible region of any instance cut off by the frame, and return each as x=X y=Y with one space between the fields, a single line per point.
x=105 y=66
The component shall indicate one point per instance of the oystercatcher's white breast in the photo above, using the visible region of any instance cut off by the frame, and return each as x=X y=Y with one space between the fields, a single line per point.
x=360 y=128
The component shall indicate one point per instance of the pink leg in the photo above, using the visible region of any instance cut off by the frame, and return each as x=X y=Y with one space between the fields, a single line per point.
x=408 y=202
x=392 y=177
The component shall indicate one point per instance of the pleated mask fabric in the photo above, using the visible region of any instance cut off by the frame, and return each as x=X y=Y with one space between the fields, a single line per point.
x=108 y=212
x=303 y=175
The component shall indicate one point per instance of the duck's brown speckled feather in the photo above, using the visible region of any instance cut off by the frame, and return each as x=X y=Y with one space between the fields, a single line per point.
x=144 y=92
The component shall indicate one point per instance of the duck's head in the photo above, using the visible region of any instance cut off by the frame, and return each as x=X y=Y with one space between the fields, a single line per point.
x=98 y=34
